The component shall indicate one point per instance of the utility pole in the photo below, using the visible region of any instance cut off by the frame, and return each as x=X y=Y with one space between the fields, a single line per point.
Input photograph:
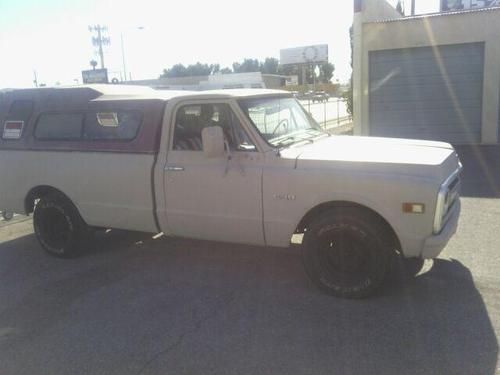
x=412 y=7
x=123 y=58
x=123 y=54
x=35 y=81
x=303 y=71
x=100 y=40
x=314 y=77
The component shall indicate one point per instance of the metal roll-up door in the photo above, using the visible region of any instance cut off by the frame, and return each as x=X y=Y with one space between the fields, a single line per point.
x=427 y=93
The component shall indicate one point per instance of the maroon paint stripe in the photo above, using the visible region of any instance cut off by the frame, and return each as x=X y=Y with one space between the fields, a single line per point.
x=82 y=151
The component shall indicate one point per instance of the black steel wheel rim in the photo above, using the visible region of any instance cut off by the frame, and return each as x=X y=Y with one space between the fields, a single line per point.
x=54 y=228
x=345 y=257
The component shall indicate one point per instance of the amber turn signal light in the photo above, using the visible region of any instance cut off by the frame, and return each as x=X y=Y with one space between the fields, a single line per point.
x=413 y=208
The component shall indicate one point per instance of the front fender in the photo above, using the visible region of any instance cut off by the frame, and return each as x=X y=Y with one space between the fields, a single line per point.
x=289 y=196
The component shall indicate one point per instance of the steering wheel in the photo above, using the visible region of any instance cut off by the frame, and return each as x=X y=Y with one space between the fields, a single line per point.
x=283 y=122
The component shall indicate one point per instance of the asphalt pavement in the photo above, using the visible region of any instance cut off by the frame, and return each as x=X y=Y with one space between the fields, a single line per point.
x=138 y=305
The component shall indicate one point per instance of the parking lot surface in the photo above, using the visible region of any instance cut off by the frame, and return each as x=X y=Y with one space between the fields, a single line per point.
x=138 y=305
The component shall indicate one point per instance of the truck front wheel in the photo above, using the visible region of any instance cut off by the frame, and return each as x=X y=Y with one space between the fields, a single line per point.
x=411 y=266
x=346 y=252
x=58 y=226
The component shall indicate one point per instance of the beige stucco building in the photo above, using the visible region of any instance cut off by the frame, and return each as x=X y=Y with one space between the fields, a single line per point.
x=432 y=76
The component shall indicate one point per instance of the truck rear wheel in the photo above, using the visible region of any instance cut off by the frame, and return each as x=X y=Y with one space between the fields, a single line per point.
x=346 y=252
x=58 y=226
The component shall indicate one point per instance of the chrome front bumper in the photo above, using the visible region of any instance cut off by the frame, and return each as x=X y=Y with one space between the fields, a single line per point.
x=434 y=244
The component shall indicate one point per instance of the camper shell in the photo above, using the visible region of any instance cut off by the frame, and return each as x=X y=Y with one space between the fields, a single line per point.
x=85 y=101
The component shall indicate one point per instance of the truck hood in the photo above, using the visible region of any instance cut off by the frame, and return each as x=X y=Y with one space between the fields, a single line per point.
x=405 y=155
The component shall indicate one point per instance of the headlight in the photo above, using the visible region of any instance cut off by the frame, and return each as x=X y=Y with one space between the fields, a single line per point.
x=439 y=215
x=447 y=195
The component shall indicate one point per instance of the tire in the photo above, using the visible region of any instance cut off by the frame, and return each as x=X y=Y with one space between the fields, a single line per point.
x=58 y=226
x=411 y=266
x=7 y=215
x=346 y=252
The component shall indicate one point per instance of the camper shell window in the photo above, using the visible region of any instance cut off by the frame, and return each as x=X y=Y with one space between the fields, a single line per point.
x=112 y=125
x=59 y=126
x=93 y=126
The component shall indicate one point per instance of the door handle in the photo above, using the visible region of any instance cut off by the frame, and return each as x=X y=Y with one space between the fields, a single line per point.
x=174 y=169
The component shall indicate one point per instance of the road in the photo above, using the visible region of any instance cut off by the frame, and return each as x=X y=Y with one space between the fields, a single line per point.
x=138 y=305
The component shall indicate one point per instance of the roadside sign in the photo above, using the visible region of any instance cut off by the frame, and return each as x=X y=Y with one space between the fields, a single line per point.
x=95 y=76
x=452 y=5
x=292 y=80
x=304 y=55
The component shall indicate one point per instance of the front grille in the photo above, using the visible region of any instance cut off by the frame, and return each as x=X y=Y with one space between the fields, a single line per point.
x=453 y=193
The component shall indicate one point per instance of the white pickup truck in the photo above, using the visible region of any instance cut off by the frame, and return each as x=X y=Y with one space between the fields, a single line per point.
x=243 y=166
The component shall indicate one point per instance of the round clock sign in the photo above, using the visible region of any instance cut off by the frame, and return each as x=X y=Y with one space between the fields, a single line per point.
x=310 y=53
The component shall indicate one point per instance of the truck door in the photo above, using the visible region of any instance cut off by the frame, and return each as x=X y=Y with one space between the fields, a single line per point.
x=212 y=198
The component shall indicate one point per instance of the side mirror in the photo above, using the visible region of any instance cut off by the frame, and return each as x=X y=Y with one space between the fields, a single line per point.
x=212 y=138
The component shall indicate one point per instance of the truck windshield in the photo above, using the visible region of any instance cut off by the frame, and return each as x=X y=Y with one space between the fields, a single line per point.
x=281 y=121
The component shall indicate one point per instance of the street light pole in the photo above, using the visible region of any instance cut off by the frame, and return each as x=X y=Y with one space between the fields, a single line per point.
x=123 y=58
x=123 y=55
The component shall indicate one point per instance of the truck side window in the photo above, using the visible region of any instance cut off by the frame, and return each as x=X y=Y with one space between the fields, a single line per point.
x=59 y=126
x=112 y=125
x=21 y=110
x=191 y=119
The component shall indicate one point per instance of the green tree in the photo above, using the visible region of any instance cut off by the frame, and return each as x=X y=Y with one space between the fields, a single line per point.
x=348 y=95
x=198 y=69
x=236 y=67
x=326 y=72
x=288 y=70
x=269 y=66
x=215 y=68
x=247 y=66
x=178 y=70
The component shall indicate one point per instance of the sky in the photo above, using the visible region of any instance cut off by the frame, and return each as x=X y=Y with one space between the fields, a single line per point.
x=52 y=38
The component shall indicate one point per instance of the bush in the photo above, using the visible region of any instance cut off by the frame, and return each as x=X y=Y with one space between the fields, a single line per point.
x=349 y=100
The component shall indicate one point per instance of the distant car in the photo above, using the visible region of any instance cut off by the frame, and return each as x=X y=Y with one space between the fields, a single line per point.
x=308 y=95
x=7 y=215
x=320 y=97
